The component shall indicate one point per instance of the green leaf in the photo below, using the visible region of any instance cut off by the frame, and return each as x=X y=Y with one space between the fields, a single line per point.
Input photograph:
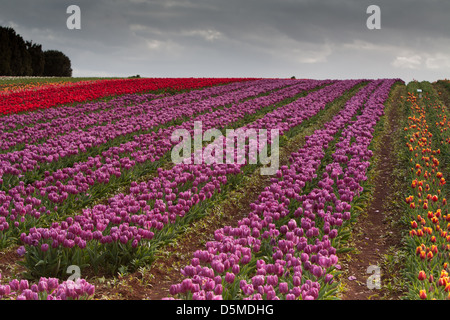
x=344 y=250
x=40 y=263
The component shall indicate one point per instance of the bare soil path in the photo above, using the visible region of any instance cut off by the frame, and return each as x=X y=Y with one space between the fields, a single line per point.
x=373 y=235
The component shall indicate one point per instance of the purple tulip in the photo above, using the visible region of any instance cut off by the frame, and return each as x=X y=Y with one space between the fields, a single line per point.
x=23 y=285
x=229 y=277
x=290 y=296
x=283 y=287
x=21 y=251
x=218 y=290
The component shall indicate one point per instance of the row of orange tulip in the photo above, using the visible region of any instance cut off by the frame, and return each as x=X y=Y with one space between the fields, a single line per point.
x=428 y=210
x=6 y=89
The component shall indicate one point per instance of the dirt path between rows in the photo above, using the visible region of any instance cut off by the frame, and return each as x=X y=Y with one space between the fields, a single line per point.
x=373 y=236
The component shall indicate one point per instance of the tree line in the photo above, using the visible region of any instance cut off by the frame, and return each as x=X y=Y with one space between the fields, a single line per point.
x=25 y=58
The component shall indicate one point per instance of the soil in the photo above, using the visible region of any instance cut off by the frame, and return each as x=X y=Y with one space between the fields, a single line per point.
x=373 y=236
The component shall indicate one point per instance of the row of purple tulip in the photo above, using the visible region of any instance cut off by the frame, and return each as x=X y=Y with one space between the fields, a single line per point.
x=19 y=120
x=30 y=200
x=142 y=117
x=56 y=121
x=46 y=289
x=283 y=249
x=171 y=195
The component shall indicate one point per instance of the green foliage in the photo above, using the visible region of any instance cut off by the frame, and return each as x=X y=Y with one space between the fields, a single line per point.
x=37 y=58
x=20 y=58
x=57 y=64
x=15 y=60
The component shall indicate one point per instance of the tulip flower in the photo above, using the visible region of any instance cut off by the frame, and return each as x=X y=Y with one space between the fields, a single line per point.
x=423 y=294
x=422 y=275
x=126 y=219
x=283 y=287
x=21 y=251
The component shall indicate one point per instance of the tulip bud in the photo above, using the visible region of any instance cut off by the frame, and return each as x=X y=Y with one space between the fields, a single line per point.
x=283 y=286
x=422 y=275
x=317 y=271
x=218 y=290
x=423 y=294
x=290 y=296
x=229 y=277
x=23 y=285
x=21 y=251
x=329 y=278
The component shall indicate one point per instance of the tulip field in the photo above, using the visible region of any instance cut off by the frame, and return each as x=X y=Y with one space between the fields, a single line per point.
x=92 y=206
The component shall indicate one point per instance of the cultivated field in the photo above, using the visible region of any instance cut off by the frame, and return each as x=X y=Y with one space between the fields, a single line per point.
x=93 y=205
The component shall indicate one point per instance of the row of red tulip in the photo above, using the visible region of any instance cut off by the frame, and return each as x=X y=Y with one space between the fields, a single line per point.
x=31 y=100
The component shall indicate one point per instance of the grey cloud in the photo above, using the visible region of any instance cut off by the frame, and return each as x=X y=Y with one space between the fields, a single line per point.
x=261 y=38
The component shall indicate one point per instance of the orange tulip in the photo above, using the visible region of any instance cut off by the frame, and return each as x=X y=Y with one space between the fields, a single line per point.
x=422 y=275
x=447 y=287
x=418 y=249
x=423 y=294
x=423 y=255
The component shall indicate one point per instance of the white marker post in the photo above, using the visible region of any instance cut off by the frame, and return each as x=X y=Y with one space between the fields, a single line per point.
x=420 y=92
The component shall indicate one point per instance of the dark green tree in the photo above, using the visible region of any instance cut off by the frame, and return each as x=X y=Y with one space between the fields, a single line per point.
x=57 y=64
x=20 y=58
x=5 y=52
x=20 y=63
x=37 y=58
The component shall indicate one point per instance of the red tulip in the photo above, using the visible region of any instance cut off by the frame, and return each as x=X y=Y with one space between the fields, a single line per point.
x=422 y=275
x=423 y=294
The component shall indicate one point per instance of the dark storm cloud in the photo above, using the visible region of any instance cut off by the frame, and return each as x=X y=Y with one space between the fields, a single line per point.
x=267 y=38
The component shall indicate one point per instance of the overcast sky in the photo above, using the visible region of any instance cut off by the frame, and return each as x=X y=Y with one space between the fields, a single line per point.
x=319 y=39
